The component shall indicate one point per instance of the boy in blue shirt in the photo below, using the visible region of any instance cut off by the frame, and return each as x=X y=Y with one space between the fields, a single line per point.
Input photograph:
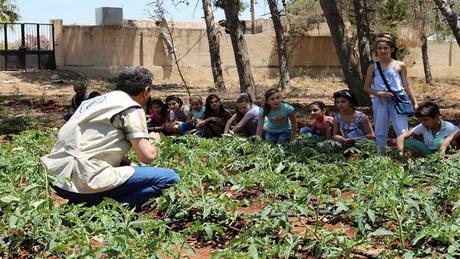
x=432 y=127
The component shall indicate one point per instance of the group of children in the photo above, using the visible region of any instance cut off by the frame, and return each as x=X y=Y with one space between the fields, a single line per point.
x=175 y=118
x=276 y=121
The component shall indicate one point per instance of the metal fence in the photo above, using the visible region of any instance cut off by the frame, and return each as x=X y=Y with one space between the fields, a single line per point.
x=27 y=46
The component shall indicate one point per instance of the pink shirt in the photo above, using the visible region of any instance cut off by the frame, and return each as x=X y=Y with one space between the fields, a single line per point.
x=320 y=126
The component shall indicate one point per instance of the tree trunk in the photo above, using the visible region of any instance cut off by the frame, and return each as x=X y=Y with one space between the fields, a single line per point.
x=253 y=17
x=344 y=51
x=214 y=46
x=451 y=17
x=240 y=50
x=426 y=61
x=362 y=25
x=282 y=53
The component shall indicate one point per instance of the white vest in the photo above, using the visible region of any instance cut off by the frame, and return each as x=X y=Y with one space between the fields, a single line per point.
x=89 y=149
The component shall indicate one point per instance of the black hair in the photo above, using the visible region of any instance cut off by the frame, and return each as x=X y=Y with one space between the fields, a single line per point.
x=80 y=85
x=93 y=94
x=347 y=95
x=267 y=95
x=133 y=80
x=429 y=109
x=320 y=104
x=159 y=102
x=243 y=98
x=174 y=98
x=208 y=112
x=388 y=39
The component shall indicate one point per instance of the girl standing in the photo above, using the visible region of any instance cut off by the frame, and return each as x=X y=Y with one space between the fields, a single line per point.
x=322 y=125
x=383 y=103
x=214 y=119
x=350 y=126
x=282 y=122
x=244 y=121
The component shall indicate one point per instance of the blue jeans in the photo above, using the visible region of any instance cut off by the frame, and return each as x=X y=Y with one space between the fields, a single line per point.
x=184 y=127
x=278 y=137
x=384 y=112
x=309 y=132
x=145 y=183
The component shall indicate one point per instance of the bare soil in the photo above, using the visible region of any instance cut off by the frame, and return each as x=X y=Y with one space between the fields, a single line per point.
x=41 y=97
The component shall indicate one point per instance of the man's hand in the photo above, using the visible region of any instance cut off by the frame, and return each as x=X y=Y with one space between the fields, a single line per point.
x=155 y=136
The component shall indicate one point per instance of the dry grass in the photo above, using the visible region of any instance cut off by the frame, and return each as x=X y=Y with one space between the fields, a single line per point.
x=39 y=87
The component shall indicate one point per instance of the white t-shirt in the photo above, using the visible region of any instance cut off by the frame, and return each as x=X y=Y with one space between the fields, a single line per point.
x=254 y=111
x=434 y=141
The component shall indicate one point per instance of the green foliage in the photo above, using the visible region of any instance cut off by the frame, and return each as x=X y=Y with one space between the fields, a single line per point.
x=247 y=198
x=240 y=5
x=8 y=12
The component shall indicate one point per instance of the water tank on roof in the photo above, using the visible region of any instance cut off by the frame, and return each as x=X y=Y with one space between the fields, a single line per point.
x=109 y=16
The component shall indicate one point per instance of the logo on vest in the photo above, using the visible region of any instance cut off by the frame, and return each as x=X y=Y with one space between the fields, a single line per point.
x=88 y=104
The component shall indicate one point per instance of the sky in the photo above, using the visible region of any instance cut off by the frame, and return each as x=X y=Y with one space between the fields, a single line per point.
x=83 y=11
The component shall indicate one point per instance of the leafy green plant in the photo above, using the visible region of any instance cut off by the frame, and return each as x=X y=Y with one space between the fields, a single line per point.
x=243 y=197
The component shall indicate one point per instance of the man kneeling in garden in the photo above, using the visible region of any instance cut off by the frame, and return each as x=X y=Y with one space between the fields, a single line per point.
x=88 y=160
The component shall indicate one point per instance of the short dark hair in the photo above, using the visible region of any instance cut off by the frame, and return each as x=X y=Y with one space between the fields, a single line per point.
x=429 y=109
x=93 y=94
x=133 y=80
x=81 y=85
x=347 y=95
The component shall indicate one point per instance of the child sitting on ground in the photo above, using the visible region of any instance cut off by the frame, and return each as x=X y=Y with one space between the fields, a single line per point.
x=177 y=114
x=214 y=119
x=282 y=122
x=244 y=121
x=432 y=127
x=351 y=127
x=322 y=124
x=157 y=114
x=196 y=113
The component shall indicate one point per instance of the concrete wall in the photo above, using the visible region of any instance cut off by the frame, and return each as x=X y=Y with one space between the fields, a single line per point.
x=106 y=49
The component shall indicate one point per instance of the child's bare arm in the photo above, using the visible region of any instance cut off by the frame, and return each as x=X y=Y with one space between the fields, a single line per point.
x=406 y=85
x=229 y=123
x=260 y=125
x=329 y=127
x=189 y=118
x=400 y=139
x=159 y=128
x=243 y=121
x=368 y=81
x=445 y=144
x=368 y=128
x=335 y=133
x=293 y=119
x=200 y=123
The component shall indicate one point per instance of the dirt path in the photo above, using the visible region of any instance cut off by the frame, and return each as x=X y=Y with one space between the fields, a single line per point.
x=41 y=97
